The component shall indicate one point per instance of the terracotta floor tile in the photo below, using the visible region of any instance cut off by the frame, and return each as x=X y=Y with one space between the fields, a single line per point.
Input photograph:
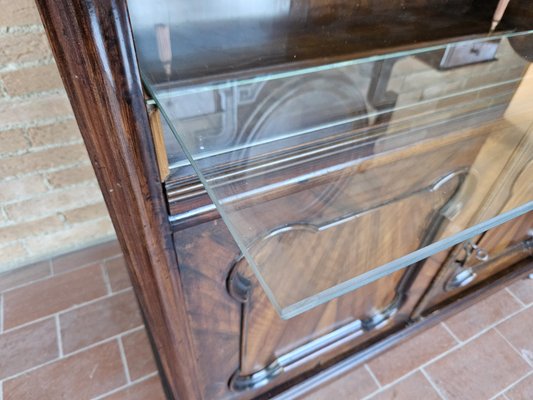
x=118 y=275
x=82 y=376
x=355 y=384
x=481 y=315
x=523 y=289
x=479 y=369
x=21 y=276
x=409 y=355
x=519 y=332
x=149 y=389
x=414 y=387
x=27 y=347
x=521 y=391
x=99 y=320
x=139 y=354
x=51 y=295
x=86 y=256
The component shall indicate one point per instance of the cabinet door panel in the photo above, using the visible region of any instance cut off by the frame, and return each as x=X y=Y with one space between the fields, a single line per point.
x=351 y=247
x=231 y=314
x=399 y=191
x=271 y=344
x=409 y=190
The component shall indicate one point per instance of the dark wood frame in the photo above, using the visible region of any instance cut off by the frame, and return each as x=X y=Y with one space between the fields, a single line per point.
x=93 y=46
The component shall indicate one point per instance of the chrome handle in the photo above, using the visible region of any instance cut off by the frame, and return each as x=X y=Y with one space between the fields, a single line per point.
x=472 y=249
x=260 y=378
x=462 y=278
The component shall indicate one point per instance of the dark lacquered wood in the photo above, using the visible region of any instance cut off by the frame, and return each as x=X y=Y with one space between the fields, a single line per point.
x=217 y=319
x=92 y=44
x=311 y=33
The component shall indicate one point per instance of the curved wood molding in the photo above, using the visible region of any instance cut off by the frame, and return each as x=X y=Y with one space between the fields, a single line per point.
x=93 y=46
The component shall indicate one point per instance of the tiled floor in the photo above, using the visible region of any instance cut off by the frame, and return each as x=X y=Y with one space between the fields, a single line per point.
x=484 y=352
x=70 y=329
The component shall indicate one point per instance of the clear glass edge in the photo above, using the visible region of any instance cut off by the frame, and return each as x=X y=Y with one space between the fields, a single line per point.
x=369 y=276
x=171 y=92
x=401 y=263
x=372 y=114
x=213 y=197
x=360 y=280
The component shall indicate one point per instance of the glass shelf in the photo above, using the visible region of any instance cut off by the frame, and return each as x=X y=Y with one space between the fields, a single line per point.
x=332 y=176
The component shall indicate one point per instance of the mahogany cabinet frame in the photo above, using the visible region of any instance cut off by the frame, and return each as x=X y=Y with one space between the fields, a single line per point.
x=93 y=46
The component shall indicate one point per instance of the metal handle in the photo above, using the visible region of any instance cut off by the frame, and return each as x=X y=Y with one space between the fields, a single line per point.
x=322 y=344
x=462 y=278
x=260 y=378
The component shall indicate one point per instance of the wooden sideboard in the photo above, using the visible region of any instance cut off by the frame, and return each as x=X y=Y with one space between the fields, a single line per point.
x=408 y=180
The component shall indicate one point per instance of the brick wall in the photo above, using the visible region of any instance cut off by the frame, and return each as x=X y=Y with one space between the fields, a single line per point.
x=49 y=198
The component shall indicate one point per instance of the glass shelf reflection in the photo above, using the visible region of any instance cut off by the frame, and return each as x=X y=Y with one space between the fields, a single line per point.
x=332 y=176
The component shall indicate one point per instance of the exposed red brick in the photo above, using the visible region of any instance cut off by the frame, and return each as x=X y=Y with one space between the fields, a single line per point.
x=22 y=47
x=19 y=12
x=32 y=79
